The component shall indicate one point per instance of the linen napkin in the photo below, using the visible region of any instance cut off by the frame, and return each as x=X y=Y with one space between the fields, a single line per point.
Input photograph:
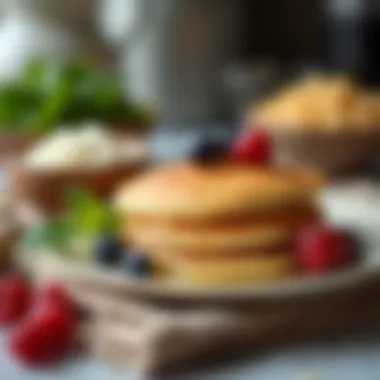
x=150 y=337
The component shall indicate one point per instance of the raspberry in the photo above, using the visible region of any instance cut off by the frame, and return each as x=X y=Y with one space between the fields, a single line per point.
x=47 y=335
x=254 y=146
x=322 y=249
x=15 y=296
x=54 y=293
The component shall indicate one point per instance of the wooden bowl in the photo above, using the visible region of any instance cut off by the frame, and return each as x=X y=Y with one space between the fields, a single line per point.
x=334 y=152
x=14 y=144
x=45 y=189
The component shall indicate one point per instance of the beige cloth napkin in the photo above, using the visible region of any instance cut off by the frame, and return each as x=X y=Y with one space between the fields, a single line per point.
x=148 y=337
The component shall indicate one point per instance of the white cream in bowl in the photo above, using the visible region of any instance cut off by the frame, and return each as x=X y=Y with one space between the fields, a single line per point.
x=88 y=146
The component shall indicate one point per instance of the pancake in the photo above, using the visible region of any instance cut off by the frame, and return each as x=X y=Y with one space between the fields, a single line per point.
x=219 y=224
x=226 y=235
x=274 y=249
x=250 y=269
x=189 y=191
x=202 y=243
x=285 y=214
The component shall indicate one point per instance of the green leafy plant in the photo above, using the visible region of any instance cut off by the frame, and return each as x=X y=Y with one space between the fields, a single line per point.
x=85 y=217
x=54 y=234
x=88 y=215
x=48 y=94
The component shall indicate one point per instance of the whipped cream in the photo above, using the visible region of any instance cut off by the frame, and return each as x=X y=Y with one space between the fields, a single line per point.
x=90 y=145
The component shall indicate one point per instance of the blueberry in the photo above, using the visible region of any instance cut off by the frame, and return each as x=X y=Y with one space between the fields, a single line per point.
x=108 y=250
x=208 y=149
x=136 y=264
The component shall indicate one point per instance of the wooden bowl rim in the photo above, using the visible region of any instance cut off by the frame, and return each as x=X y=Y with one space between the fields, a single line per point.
x=80 y=170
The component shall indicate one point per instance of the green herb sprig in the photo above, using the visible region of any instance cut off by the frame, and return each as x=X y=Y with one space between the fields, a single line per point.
x=85 y=217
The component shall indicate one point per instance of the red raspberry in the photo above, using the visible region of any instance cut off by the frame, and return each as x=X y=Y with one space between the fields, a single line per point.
x=15 y=296
x=54 y=293
x=46 y=336
x=321 y=249
x=254 y=146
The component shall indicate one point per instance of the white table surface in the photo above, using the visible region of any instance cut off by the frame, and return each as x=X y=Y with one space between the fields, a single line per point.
x=356 y=358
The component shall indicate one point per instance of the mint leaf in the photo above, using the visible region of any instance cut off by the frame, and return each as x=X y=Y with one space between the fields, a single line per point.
x=88 y=214
x=54 y=234
x=85 y=218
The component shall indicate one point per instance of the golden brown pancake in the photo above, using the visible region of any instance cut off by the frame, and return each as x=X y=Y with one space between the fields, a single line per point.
x=288 y=213
x=190 y=191
x=250 y=269
x=237 y=254
x=219 y=223
x=206 y=243
x=225 y=235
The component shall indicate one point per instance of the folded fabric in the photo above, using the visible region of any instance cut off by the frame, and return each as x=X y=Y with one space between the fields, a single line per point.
x=149 y=337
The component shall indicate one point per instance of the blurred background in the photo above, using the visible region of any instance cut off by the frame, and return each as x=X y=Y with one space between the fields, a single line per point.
x=196 y=61
x=93 y=91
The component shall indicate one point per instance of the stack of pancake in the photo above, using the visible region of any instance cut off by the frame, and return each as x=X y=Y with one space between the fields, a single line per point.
x=220 y=224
